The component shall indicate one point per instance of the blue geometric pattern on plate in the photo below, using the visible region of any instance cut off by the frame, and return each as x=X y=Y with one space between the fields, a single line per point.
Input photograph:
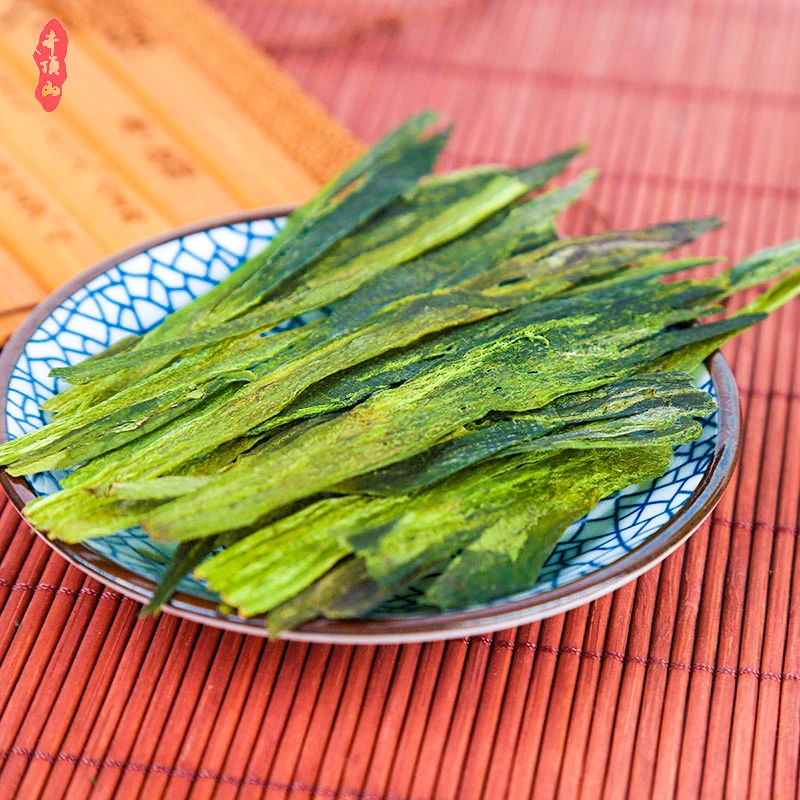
x=134 y=295
x=129 y=298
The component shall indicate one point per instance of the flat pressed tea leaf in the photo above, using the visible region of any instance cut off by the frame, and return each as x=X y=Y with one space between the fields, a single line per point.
x=442 y=268
x=185 y=558
x=509 y=553
x=403 y=221
x=648 y=242
x=523 y=370
x=396 y=325
x=381 y=166
x=652 y=408
x=122 y=427
x=319 y=595
x=622 y=411
x=471 y=385
x=426 y=225
x=380 y=176
x=233 y=354
x=505 y=511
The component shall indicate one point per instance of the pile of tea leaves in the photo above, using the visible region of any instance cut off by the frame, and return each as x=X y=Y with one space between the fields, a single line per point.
x=469 y=386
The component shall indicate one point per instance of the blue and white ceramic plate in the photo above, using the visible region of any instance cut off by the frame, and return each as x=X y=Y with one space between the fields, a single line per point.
x=131 y=291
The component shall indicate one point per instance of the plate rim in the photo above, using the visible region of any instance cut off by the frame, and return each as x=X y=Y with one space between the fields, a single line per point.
x=384 y=630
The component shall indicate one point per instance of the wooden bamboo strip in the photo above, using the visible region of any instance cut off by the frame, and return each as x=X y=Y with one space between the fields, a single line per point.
x=643 y=763
x=682 y=90
x=472 y=691
x=161 y=745
x=20 y=291
x=323 y=146
x=294 y=121
x=42 y=586
x=144 y=739
x=478 y=758
x=760 y=576
x=66 y=615
x=16 y=545
x=586 y=686
x=146 y=673
x=723 y=700
x=776 y=507
x=21 y=569
x=690 y=768
x=322 y=720
x=10 y=321
x=630 y=694
x=380 y=726
x=673 y=718
x=240 y=724
x=87 y=187
x=517 y=704
x=399 y=760
x=316 y=680
x=160 y=167
x=697 y=719
x=203 y=718
x=608 y=692
x=221 y=732
x=766 y=733
x=527 y=743
x=511 y=712
x=43 y=606
x=101 y=676
x=227 y=142
x=354 y=99
x=355 y=694
x=52 y=710
x=719 y=587
x=787 y=755
x=562 y=693
x=258 y=18
x=300 y=666
x=38 y=232
x=788 y=719
x=10 y=526
x=446 y=675
x=416 y=724
x=483 y=133
x=667 y=756
x=298 y=662
x=362 y=721
x=585 y=680
x=132 y=683
x=178 y=781
x=691 y=727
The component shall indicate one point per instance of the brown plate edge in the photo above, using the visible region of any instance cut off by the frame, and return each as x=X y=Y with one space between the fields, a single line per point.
x=422 y=627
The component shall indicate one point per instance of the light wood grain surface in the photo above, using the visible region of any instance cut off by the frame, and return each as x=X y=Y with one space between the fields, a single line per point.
x=167 y=116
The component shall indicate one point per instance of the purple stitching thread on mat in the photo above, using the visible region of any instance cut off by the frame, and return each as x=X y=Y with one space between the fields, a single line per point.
x=104 y=594
x=191 y=775
x=623 y=658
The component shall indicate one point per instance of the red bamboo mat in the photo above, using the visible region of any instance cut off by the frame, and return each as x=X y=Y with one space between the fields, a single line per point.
x=683 y=684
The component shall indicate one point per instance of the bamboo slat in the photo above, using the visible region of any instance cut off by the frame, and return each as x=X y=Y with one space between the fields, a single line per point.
x=164 y=121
